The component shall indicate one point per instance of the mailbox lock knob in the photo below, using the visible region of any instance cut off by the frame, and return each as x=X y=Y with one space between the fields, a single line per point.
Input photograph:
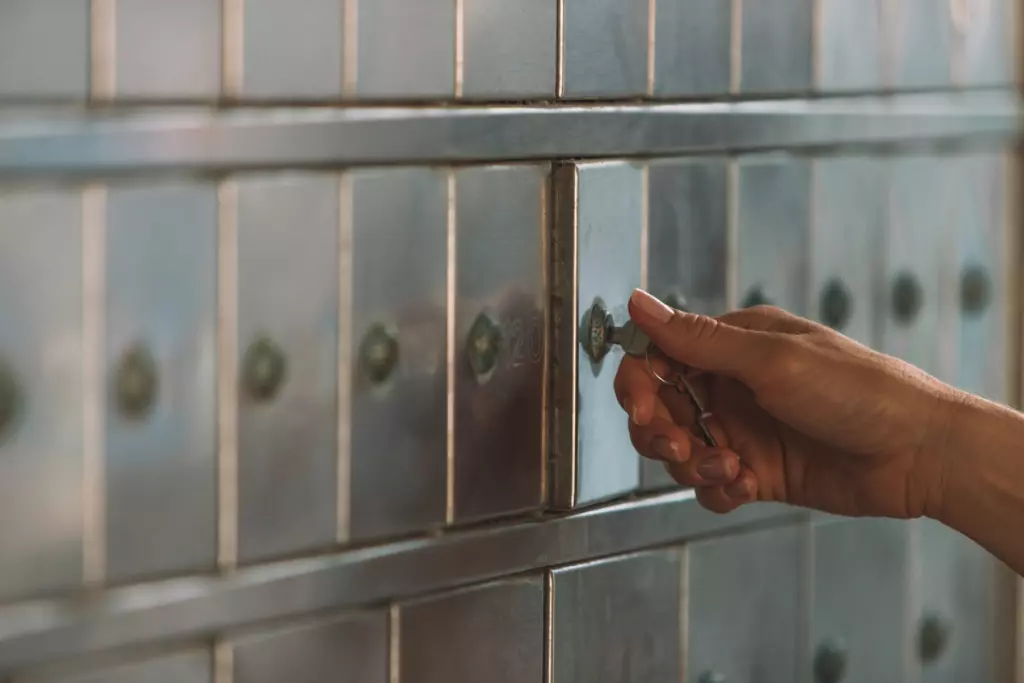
x=836 y=304
x=594 y=335
x=711 y=677
x=932 y=638
x=378 y=354
x=907 y=298
x=756 y=297
x=136 y=382
x=264 y=369
x=675 y=299
x=830 y=662
x=975 y=290
x=483 y=345
x=10 y=400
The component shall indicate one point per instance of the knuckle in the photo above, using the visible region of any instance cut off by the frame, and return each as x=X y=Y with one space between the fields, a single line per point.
x=698 y=328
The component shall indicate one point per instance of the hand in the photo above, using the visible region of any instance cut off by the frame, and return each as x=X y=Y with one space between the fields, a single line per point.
x=802 y=414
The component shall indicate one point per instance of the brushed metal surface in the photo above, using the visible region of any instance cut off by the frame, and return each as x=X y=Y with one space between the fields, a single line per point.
x=44 y=49
x=510 y=49
x=980 y=189
x=604 y=48
x=987 y=30
x=493 y=632
x=777 y=47
x=288 y=293
x=861 y=596
x=919 y=243
x=200 y=607
x=191 y=666
x=601 y=230
x=399 y=279
x=291 y=54
x=687 y=247
x=850 y=205
x=345 y=649
x=161 y=292
x=773 y=217
x=41 y=142
x=168 y=50
x=501 y=231
x=737 y=586
x=852 y=49
x=406 y=49
x=618 y=620
x=922 y=43
x=41 y=451
x=692 y=47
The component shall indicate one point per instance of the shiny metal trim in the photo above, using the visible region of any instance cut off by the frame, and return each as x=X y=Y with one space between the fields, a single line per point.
x=203 y=606
x=104 y=142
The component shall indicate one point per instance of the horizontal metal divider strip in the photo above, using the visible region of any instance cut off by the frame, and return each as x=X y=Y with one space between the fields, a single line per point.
x=102 y=143
x=180 y=609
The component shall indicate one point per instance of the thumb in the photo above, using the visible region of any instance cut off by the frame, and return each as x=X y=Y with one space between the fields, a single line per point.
x=699 y=341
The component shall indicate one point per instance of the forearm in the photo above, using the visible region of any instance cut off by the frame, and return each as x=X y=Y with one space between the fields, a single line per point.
x=983 y=488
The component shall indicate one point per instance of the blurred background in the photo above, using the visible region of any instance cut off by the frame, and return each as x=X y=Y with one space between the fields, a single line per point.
x=292 y=386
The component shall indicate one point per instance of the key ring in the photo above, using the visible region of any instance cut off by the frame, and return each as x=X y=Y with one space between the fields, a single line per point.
x=681 y=385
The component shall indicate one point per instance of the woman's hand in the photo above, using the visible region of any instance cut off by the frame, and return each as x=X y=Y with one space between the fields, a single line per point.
x=802 y=414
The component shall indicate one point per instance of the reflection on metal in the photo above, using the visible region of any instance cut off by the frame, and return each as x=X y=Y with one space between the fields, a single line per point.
x=10 y=401
x=933 y=638
x=975 y=290
x=136 y=382
x=379 y=353
x=264 y=369
x=836 y=304
x=830 y=662
x=907 y=298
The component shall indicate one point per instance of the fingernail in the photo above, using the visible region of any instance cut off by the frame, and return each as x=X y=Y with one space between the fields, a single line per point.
x=666 y=449
x=651 y=306
x=715 y=468
x=740 y=490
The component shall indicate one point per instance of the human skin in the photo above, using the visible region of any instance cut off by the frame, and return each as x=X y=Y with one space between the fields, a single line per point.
x=805 y=416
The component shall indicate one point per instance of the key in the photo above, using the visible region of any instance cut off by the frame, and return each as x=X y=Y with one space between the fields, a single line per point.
x=636 y=343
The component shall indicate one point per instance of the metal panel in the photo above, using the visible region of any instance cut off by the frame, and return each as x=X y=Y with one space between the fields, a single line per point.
x=958 y=585
x=424 y=67
x=161 y=446
x=293 y=54
x=773 y=216
x=919 y=278
x=738 y=585
x=848 y=257
x=591 y=67
x=510 y=48
x=692 y=47
x=851 y=45
x=598 y=257
x=500 y=306
x=493 y=632
x=687 y=259
x=399 y=407
x=922 y=48
x=347 y=649
x=288 y=341
x=168 y=50
x=980 y=194
x=41 y=440
x=182 y=667
x=987 y=28
x=44 y=48
x=860 y=610
x=778 y=46
x=618 y=620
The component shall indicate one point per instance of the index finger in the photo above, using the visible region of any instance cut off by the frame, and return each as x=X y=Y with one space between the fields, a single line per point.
x=636 y=388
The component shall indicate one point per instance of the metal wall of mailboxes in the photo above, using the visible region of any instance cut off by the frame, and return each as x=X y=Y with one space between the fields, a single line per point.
x=207 y=379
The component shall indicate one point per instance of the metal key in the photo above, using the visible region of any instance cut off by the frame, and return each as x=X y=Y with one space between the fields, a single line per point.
x=636 y=343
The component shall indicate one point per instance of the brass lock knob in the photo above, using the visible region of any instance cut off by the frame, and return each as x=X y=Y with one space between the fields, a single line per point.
x=975 y=290
x=379 y=353
x=595 y=332
x=675 y=299
x=907 y=298
x=830 y=662
x=10 y=401
x=264 y=369
x=756 y=297
x=136 y=382
x=483 y=345
x=932 y=638
x=836 y=304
